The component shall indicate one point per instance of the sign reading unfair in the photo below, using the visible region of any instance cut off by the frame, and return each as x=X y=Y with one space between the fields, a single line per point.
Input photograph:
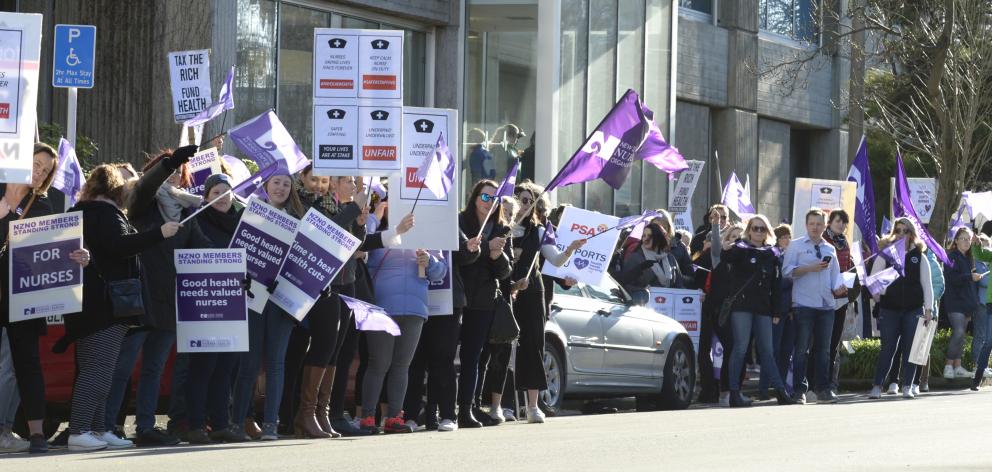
x=211 y=312
x=588 y=264
x=43 y=280
x=189 y=72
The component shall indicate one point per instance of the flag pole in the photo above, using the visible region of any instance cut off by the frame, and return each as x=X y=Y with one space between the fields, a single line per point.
x=204 y=207
x=416 y=199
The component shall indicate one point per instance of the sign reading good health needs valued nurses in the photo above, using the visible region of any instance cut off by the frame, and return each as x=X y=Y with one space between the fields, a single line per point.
x=265 y=233
x=211 y=312
x=588 y=264
x=43 y=280
x=189 y=72
x=320 y=248
x=20 y=55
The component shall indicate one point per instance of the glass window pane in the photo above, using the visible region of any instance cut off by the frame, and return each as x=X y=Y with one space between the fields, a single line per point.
x=602 y=64
x=657 y=96
x=351 y=22
x=255 y=76
x=778 y=16
x=630 y=75
x=704 y=6
x=572 y=91
x=296 y=26
x=414 y=68
x=806 y=20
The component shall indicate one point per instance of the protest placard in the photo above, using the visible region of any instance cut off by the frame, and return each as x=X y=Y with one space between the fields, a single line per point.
x=202 y=165
x=211 y=310
x=43 y=280
x=189 y=73
x=266 y=234
x=589 y=264
x=20 y=43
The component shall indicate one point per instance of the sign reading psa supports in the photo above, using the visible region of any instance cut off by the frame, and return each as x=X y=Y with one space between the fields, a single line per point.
x=43 y=280
x=440 y=299
x=266 y=234
x=211 y=311
x=20 y=57
x=189 y=72
x=202 y=165
x=320 y=248
x=358 y=64
x=590 y=263
x=684 y=306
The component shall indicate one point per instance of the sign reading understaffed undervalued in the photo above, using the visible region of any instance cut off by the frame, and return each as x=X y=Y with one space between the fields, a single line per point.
x=43 y=280
x=211 y=312
x=320 y=248
x=265 y=233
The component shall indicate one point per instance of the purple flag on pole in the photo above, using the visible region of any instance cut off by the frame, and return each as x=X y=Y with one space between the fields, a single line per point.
x=895 y=255
x=239 y=171
x=265 y=140
x=864 y=207
x=225 y=101
x=634 y=220
x=509 y=181
x=737 y=198
x=902 y=206
x=626 y=134
x=254 y=183
x=68 y=177
x=437 y=171
x=878 y=282
x=369 y=317
x=550 y=236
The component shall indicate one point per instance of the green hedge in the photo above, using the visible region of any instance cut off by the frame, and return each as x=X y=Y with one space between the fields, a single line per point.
x=861 y=364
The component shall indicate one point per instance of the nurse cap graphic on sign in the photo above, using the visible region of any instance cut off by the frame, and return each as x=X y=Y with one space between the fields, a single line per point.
x=423 y=126
x=379 y=115
x=380 y=44
x=337 y=43
x=336 y=114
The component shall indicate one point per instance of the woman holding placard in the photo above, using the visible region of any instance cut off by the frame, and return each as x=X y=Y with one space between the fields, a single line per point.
x=98 y=331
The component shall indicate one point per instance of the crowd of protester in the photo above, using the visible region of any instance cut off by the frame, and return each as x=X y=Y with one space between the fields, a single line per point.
x=769 y=293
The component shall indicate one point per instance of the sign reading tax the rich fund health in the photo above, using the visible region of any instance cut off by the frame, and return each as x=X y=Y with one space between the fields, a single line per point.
x=43 y=280
x=211 y=313
x=265 y=233
x=189 y=73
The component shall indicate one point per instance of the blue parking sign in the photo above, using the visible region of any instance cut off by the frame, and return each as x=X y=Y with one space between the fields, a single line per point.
x=74 y=60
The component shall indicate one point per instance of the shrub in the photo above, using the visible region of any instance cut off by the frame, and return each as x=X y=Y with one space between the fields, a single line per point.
x=861 y=364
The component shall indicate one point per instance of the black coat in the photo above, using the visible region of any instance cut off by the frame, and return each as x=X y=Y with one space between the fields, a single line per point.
x=113 y=244
x=638 y=275
x=219 y=227
x=757 y=274
x=461 y=257
x=40 y=207
x=481 y=277
x=960 y=291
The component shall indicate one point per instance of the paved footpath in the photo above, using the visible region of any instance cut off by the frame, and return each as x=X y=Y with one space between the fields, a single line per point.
x=939 y=431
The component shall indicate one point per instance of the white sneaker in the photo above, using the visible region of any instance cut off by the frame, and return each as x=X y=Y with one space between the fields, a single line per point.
x=948 y=372
x=916 y=390
x=496 y=413
x=10 y=442
x=725 y=399
x=412 y=425
x=511 y=416
x=447 y=425
x=893 y=389
x=114 y=442
x=86 y=441
x=907 y=393
x=876 y=392
x=535 y=415
x=962 y=373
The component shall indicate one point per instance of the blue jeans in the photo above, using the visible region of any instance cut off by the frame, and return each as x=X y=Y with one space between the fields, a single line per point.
x=155 y=347
x=743 y=323
x=898 y=328
x=983 y=332
x=268 y=336
x=812 y=323
x=783 y=342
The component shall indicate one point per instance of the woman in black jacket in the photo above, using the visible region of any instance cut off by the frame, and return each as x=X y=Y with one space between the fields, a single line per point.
x=98 y=334
x=755 y=282
x=481 y=279
x=652 y=264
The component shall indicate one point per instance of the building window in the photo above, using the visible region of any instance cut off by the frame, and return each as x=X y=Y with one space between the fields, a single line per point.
x=702 y=6
x=794 y=19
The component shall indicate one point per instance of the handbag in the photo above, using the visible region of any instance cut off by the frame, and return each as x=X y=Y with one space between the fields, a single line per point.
x=728 y=303
x=125 y=298
x=504 y=329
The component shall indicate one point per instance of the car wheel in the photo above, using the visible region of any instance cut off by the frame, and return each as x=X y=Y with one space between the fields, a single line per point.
x=680 y=376
x=551 y=399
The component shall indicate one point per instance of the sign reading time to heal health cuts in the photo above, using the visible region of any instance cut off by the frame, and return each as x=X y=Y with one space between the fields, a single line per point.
x=211 y=312
x=43 y=280
x=320 y=248
x=20 y=59
x=265 y=233
x=588 y=264
x=189 y=73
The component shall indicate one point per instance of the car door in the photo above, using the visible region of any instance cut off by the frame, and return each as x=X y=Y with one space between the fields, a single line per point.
x=631 y=347
x=583 y=329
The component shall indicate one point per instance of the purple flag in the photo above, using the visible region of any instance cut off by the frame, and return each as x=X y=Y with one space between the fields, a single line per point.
x=68 y=177
x=626 y=134
x=634 y=220
x=958 y=222
x=902 y=206
x=864 y=208
x=895 y=255
x=878 y=282
x=254 y=183
x=239 y=171
x=437 y=171
x=265 y=140
x=225 y=101
x=737 y=198
x=886 y=226
x=376 y=184
x=550 y=236
x=369 y=317
x=509 y=181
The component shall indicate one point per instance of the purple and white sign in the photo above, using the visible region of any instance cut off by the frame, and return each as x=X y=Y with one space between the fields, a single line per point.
x=211 y=310
x=320 y=248
x=440 y=298
x=43 y=280
x=266 y=234
x=202 y=165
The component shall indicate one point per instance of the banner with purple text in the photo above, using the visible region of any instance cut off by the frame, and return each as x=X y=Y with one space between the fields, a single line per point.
x=211 y=310
x=266 y=234
x=43 y=280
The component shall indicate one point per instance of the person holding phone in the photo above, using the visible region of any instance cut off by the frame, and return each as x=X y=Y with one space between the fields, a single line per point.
x=812 y=264
x=960 y=299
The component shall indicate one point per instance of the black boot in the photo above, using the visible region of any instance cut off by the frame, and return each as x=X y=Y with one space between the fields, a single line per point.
x=977 y=381
x=465 y=418
x=708 y=396
x=482 y=417
x=783 y=397
x=737 y=400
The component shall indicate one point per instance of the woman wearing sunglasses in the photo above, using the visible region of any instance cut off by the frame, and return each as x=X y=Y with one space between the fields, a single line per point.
x=755 y=283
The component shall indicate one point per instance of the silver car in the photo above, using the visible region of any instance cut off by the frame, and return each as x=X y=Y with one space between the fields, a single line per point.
x=598 y=344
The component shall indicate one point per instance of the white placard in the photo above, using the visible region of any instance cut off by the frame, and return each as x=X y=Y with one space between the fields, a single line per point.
x=335 y=63
x=43 y=280
x=201 y=166
x=380 y=137
x=421 y=129
x=380 y=64
x=440 y=295
x=812 y=193
x=20 y=46
x=923 y=194
x=358 y=64
x=266 y=234
x=684 y=306
x=335 y=138
x=189 y=73
x=590 y=263
x=680 y=200
x=211 y=310
x=825 y=196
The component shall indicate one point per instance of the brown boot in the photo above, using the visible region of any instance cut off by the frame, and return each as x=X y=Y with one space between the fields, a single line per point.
x=306 y=424
x=252 y=429
x=323 y=403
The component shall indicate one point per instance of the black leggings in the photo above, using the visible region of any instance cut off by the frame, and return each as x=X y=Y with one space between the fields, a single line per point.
x=26 y=361
x=474 y=336
x=528 y=370
x=325 y=322
x=435 y=357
